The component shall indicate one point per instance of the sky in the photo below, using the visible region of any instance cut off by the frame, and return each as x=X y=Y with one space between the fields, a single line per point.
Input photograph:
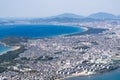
x=46 y=8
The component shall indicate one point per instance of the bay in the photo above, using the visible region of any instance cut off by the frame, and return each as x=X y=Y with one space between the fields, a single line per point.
x=36 y=31
x=4 y=48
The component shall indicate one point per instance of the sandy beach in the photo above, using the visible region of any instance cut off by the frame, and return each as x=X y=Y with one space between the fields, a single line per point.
x=12 y=49
x=78 y=74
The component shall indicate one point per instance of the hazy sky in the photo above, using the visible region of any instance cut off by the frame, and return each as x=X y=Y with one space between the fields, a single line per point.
x=45 y=8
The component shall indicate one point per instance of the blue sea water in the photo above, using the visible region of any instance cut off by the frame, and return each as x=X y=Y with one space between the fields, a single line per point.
x=4 y=48
x=39 y=31
x=112 y=75
x=36 y=31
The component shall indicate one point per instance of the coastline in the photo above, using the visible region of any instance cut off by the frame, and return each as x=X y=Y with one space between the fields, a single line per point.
x=67 y=76
x=83 y=73
x=107 y=75
x=88 y=31
x=84 y=29
x=79 y=29
x=12 y=49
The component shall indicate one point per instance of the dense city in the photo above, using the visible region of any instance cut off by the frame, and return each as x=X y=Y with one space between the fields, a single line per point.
x=64 y=56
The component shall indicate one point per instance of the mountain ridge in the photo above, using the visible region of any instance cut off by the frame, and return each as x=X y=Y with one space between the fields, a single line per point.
x=99 y=16
x=102 y=15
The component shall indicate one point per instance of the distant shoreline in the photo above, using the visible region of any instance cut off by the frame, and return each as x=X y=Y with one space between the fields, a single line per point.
x=88 y=31
x=53 y=30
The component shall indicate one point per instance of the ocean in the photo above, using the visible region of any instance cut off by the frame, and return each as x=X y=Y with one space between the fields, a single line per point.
x=112 y=75
x=4 y=48
x=34 y=31
x=40 y=31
